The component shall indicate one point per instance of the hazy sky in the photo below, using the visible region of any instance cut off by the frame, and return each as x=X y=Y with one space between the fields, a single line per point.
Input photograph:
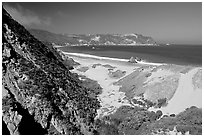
x=179 y=23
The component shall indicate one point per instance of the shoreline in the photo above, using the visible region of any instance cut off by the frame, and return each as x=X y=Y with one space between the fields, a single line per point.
x=143 y=62
x=148 y=78
x=98 y=70
x=109 y=58
x=176 y=55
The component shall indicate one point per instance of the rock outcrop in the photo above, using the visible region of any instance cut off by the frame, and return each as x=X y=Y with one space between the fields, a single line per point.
x=132 y=60
x=40 y=95
x=138 y=59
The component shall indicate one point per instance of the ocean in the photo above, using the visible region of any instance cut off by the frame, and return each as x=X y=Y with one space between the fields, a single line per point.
x=173 y=54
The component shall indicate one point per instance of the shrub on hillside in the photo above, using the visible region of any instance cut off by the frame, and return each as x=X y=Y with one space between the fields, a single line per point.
x=162 y=102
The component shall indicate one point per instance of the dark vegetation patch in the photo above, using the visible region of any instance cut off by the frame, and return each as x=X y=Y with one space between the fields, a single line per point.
x=108 y=66
x=142 y=102
x=92 y=86
x=188 y=120
x=138 y=121
x=83 y=69
x=129 y=86
x=67 y=61
x=161 y=102
x=116 y=74
x=95 y=65
x=126 y=120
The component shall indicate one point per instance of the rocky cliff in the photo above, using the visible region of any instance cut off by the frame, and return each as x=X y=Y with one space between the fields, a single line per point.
x=39 y=94
x=93 y=39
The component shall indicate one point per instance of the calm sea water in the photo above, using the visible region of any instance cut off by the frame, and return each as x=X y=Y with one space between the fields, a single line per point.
x=174 y=54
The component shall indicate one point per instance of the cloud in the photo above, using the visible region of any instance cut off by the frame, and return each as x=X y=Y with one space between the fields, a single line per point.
x=26 y=16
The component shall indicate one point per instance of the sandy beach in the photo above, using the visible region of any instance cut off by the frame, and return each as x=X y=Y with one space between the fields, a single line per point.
x=111 y=98
x=124 y=83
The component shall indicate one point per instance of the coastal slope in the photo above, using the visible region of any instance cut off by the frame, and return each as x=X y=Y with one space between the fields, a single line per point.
x=145 y=98
x=39 y=94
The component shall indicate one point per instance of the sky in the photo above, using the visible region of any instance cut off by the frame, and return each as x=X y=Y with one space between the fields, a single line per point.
x=177 y=23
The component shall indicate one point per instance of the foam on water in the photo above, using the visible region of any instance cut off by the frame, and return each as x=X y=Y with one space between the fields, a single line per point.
x=95 y=57
x=108 y=58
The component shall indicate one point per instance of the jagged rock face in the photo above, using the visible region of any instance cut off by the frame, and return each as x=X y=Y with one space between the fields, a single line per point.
x=39 y=92
x=95 y=39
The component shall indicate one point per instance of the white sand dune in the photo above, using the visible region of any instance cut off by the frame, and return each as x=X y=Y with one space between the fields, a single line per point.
x=185 y=95
x=111 y=99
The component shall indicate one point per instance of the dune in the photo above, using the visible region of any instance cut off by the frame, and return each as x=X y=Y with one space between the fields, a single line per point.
x=111 y=98
x=181 y=95
x=185 y=96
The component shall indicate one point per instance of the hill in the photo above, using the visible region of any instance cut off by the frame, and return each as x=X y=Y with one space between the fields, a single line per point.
x=93 y=39
x=46 y=36
x=39 y=94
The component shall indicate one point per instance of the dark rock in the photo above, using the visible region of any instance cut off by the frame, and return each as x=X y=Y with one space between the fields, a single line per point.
x=172 y=115
x=159 y=114
x=138 y=102
x=83 y=69
x=164 y=116
x=95 y=65
x=132 y=60
x=116 y=74
x=162 y=102
x=138 y=59
x=148 y=75
x=93 y=87
x=108 y=66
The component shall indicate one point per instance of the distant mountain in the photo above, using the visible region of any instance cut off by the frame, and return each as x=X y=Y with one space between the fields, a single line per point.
x=46 y=36
x=93 y=39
